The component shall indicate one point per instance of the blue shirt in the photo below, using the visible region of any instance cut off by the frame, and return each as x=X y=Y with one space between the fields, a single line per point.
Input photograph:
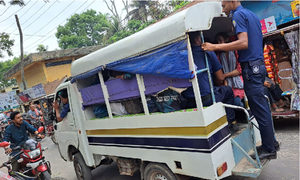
x=246 y=21
x=32 y=113
x=65 y=110
x=199 y=60
x=17 y=135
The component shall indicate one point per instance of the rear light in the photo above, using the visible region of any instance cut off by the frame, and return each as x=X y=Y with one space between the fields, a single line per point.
x=222 y=168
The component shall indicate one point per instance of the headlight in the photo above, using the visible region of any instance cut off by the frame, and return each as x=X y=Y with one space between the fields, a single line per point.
x=34 y=153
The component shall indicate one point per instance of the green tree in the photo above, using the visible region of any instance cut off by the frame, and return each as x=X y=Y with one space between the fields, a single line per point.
x=81 y=30
x=16 y=2
x=13 y=2
x=4 y=67
x=132 y=27
x=5 y=44
x=158 y=10
x=41 y=48
x=139 y=10
x=180 y=5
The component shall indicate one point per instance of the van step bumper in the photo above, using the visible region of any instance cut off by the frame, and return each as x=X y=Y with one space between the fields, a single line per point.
x=246 y=168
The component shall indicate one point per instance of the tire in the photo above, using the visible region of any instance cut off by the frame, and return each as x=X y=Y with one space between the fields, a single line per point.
x=53 y=139
x=156 y=171
x=45 y=175
x=1 y=136
x=83 y=172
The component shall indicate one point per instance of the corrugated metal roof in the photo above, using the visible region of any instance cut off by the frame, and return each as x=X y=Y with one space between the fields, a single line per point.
x=51 y=86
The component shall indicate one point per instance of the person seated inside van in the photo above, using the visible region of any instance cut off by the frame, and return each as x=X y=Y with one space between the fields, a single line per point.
x=232 y=70
x=222 y=93
x=133 y=106
x=274 y=94
x=64 y=98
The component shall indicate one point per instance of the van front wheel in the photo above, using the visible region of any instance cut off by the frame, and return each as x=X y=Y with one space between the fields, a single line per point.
x=156 y=171
x=83 y=172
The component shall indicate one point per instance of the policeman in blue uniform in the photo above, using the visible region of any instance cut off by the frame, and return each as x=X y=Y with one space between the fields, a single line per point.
x=249 y=45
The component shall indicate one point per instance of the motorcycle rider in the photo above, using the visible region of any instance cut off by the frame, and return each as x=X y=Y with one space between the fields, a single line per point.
x=33 y=114
x=16 y=134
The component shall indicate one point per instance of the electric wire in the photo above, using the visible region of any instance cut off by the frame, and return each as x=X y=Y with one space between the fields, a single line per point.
x=31 y=35
x=51 y=20
x=29 y=18
x=6 y=10
x=21 y=15
x=58 y=25
x=39 y=16
x=53 y=35
x=14 y=13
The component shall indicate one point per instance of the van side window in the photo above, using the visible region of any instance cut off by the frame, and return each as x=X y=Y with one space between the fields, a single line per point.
x=61 y=105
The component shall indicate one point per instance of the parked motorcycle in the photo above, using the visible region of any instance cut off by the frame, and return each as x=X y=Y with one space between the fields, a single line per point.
x=3 y=126
x=32 y=161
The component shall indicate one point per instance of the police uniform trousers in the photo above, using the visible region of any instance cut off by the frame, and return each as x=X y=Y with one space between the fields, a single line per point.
x=254 y=73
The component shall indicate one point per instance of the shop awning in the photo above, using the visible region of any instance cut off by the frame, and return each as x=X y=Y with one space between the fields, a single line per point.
x=278 y=31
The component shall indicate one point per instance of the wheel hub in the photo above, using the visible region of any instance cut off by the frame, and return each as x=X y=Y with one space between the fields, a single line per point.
x=159 y=177
x=78 y=170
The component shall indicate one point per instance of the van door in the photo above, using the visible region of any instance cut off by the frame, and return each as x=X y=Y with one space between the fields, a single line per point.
x=65 y=130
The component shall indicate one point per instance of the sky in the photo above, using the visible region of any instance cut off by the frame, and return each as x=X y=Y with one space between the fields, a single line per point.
x=39 y=21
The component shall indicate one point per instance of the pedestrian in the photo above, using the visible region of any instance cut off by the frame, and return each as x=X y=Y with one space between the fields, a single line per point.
x=249 y=45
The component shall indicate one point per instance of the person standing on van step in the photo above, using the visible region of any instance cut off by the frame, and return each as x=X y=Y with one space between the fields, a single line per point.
x=64 y=98
x=250 y=50
x=222 y=93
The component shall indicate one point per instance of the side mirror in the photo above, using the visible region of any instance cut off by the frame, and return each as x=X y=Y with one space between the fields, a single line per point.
x=41 y=129
x=4 y=144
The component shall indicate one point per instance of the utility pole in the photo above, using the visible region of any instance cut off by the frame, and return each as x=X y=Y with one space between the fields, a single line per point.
x=21 y=47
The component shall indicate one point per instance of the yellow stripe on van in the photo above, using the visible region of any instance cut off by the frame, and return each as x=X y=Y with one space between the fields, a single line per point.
x=163 y=131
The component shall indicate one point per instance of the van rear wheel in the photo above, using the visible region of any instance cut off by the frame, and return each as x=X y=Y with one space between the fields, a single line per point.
x=83 y=172
x=156 y=171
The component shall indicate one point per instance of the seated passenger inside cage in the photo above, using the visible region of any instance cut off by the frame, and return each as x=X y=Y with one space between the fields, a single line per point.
x=232 y=70
x=222 y=93
x=131 y=106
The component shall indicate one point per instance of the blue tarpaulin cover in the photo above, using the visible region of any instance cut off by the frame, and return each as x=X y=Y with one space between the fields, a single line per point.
x=168 y=61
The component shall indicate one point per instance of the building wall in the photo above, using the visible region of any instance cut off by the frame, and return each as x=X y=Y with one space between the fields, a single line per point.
x=55 y=69
x=34 y=74
x=45 y=71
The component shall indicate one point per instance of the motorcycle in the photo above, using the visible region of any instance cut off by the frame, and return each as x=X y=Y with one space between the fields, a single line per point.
x=12 y=175
x=32 y=161
x=3 y=126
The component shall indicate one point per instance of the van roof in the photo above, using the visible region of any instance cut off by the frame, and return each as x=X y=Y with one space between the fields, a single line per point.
x=166 y=31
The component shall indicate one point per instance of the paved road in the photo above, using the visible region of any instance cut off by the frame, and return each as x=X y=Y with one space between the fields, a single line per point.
x=286 y=167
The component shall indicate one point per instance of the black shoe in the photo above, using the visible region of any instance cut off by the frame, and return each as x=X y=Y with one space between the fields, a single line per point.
x=277 y=147
x=233 y=127
x=265 y=155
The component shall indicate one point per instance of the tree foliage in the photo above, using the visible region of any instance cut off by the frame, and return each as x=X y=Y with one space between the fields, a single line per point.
x=4 y=67
x=13 y=2
x=91 y=28
x=132 y=27
x=180 y=4
x=41 y=48
x=16 y=2
x=5 y=44
x=81 y=30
